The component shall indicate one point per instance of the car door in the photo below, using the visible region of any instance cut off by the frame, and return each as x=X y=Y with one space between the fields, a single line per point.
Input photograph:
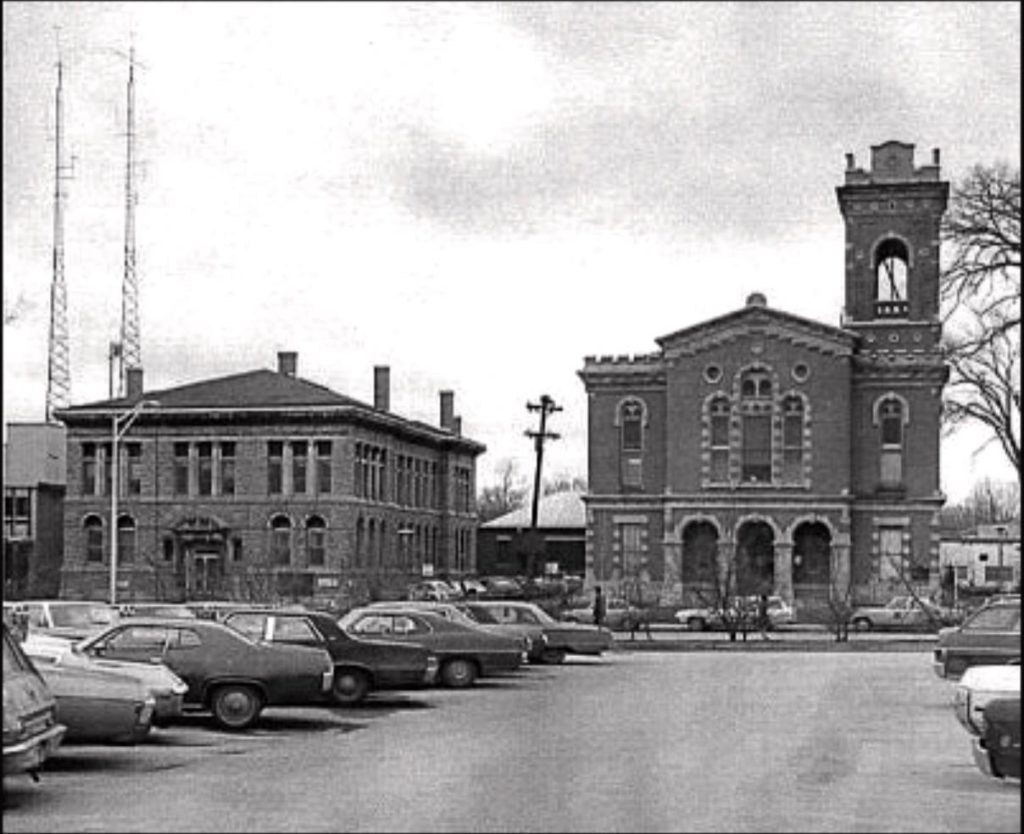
x=140 y=643
x=187 y=655
x=992 y=635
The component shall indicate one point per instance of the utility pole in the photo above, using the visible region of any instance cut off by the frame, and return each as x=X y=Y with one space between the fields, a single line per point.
x=546 y=406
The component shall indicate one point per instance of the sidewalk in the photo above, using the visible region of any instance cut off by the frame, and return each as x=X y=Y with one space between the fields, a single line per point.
x=800 y=638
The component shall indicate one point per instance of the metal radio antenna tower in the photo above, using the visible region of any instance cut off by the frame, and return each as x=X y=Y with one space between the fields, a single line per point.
x=131 y=340
x=58 y=376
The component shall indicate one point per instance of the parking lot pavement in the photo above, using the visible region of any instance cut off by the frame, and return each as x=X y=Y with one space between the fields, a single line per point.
x=801 y=637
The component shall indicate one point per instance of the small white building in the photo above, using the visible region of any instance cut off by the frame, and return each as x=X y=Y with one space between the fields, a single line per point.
x=989 y=556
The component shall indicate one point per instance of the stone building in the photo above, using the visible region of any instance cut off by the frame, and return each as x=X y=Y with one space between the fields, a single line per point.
x=263 y=486
x=766 y=452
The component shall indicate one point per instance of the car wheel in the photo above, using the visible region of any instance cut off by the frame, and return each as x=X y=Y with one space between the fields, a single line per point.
x=350 y=686
x=458 y=672
x=236 y=706
x=862 y=624
x=696 y=624
x=552 y=656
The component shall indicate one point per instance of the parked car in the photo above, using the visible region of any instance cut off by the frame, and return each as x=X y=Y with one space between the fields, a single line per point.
x=977 y=687
x=464 y=652
x=157 y=609
x=901 y=612
x=99 y=705
x=73 y=619
x=167 y=689
x=991 y=635
x=533 y=632
x=227 y=673
x=32 y=732
x=703 y=618
x=457 y=612
x=997 y=751
x=210 y=609
x=502 y=587
x=618 y=613
x=360 y=666
x=436 y=590
x=561 y=637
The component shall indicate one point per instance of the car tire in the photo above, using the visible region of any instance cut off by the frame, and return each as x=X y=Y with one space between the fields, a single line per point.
x=697 y=624
x=553 y=656
x=236 y=706
x=862 y=624
x=350 y=686
x=458 y=672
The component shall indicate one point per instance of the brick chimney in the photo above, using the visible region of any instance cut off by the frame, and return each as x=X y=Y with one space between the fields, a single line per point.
x=382 y=387
x=287 y=362
x=457 y=426
x=133 y=383
x=447 y=409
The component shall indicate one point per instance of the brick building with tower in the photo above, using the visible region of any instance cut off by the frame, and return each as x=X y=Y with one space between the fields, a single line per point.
x=777 y=454
x=264 y=486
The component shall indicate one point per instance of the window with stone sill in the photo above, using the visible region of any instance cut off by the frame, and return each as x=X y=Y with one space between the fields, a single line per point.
x=125 y=540
x=792 y=440
x=891 y=419
x=280 y=540
x=316 y=539
x=93 y=526
x=719 y=413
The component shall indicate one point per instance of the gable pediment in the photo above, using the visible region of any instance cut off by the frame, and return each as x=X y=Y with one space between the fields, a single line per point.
x=762 y=323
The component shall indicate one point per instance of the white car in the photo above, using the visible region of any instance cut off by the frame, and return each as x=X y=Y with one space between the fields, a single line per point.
x=978 y=686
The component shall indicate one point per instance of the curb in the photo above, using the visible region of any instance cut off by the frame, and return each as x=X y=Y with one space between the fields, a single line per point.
x=772 y=646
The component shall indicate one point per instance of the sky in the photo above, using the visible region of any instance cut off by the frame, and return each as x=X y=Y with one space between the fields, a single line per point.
x=477 y=195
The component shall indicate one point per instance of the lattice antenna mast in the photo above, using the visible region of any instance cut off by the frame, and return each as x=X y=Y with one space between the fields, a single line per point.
x=131 y=340
x=58 y=376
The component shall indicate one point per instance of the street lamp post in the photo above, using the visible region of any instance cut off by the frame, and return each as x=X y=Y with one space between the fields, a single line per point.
x=119 y=425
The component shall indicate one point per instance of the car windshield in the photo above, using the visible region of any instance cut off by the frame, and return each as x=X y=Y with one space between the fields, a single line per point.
x=86 y=615
x=482 y=615
x=176 y=611
x=542 y=616
x=13 y=657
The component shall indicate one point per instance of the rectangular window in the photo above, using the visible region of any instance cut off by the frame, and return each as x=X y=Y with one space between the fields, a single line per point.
x=757 y=448
x=168 y=550
x=631 y=537
x=793 y=448
x=300 y=449
x=891 y=467
x=227 y=468
x=720 y=448
x=357 y=474
x=205 y=459
x=324 y=480
x=133 y=469
x=315 y=545
x=181 y=468
x=275 y=464
x=632 y=472
x=890 y=549
x=125 y=544
x=89 y=469
x=108 y=459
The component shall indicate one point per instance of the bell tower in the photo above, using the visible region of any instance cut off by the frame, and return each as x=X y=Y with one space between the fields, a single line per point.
x=892 y=213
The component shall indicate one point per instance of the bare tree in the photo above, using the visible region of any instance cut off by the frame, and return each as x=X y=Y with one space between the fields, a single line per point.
x=507 y=495
x=15 y=310
x=989 y=502
x=981 y=291
x=723 y=602
x=564 y=482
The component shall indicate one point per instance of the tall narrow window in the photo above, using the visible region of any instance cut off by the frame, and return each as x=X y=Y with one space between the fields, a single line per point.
x=93 y=538
x=360 y=542
x=108 y=459
x=300 y=466
x=316 y=540
x=891 y=269
x=227 y=468
x=275 y=467
x=719 y=414
x=632 y=427
x=204 y=452
x=371 y=544
x=125 y=540
x=324 y=480
x=133 y=469
x=280 y=540
x=792 y=440
x=890 y=414
x=357 y=472
x=632 y=548
x=181 y=468
x=891 y=561
x=89 y=469
x=756 y=409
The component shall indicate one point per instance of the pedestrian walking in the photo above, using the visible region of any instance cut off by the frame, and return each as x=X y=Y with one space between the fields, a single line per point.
x=600 y=606
x=763 y=621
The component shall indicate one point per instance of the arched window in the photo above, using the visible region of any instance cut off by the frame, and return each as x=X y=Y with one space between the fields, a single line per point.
x=891 y=418
x=316 y=540
x=125 y=540
x=891 y=268
x=792 y=440
x=718 y=414
x=280 y=540
x=93 y=526
x=632 y=426
x=755 y=404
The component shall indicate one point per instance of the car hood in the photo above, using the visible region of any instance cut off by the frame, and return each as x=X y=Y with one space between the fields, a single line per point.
x=76 y=682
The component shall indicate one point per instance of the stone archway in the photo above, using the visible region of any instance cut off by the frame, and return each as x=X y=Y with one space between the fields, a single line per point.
x=812 y=560
x=700 y=552
x=754 y=566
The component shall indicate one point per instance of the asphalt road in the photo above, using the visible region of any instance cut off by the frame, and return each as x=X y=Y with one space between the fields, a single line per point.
x=637 y=741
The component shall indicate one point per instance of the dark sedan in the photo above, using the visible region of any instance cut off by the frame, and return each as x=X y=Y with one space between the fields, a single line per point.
x=560 y=638
x=226 y=672
x=360 y=666
x=990 y=635
x=464 y=652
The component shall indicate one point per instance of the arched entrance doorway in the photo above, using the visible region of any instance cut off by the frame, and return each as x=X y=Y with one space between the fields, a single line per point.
x=812 y=559
x=700 y=553
x=754 y=566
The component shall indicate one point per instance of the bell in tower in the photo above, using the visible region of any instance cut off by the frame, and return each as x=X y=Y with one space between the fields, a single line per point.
x=892 y=214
